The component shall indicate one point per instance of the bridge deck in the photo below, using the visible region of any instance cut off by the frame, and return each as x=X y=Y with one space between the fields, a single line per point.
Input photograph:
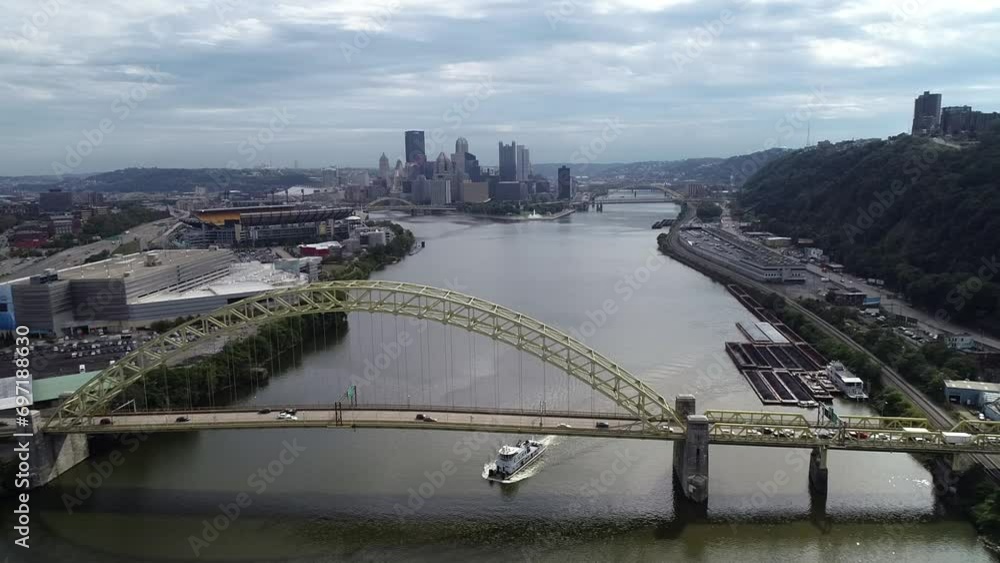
x=567 y=424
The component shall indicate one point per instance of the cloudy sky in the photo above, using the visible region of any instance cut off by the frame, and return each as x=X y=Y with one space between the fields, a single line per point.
x=208 y=83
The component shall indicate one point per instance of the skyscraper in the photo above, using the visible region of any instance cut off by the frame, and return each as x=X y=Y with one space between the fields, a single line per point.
x=442 y=165
x=523 y=163
x=383 y=167
x=461 y=145
x=565 y=183
x=508 y=162
x=926 y=114
x=415 y=147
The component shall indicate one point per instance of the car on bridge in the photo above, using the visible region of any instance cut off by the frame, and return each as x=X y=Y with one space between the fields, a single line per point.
x=285 y=415
x=602 y=424
x=182 y=419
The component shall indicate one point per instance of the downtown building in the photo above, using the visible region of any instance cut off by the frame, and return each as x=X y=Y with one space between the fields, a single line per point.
x=508 y=162
x=565 y=183
x=523 y=163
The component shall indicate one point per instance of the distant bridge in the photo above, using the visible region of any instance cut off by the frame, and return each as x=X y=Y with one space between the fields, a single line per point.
x=392 y=203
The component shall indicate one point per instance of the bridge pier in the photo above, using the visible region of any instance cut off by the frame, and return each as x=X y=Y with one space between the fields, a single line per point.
x=818 y=472
x=691 y=453
x=53 y=454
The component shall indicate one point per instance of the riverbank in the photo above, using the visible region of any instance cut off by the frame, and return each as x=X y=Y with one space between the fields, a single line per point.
x=974 y=492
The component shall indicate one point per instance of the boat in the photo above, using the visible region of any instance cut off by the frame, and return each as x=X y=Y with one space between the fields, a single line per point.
x=511 y=460
x=850 y=385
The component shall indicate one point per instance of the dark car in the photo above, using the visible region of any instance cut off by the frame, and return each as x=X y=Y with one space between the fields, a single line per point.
x=264 y=411
x=182 y=419
x=602 y=424
x=420 y=417
x=105 y=421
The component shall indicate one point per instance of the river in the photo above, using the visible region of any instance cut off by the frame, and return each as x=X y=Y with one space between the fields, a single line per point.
x=339 y=495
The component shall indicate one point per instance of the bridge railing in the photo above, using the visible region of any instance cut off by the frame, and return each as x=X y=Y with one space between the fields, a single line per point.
x=884 y=439
x=415 y=408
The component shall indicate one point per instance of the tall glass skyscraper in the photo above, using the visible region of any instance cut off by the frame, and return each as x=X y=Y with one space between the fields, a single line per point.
x=415 y=147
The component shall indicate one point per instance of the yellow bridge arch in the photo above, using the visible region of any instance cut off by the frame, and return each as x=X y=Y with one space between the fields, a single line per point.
x=479 y=316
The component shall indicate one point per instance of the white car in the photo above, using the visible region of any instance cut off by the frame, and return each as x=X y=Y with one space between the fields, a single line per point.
x=286 y=416
x=564 y=425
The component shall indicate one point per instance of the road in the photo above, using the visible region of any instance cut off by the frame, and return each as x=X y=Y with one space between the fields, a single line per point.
x=512 y=422
x=899 y=306
x=146 y=233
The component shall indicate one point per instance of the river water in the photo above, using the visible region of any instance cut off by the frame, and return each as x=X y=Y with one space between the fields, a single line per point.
x=382 y=495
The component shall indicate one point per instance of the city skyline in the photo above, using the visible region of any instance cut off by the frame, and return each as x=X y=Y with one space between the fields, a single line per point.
x=186 y=84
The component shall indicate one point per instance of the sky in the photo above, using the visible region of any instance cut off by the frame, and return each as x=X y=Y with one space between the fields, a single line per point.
x=107 y=84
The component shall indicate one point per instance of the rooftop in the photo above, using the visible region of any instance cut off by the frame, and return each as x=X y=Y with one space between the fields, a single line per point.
x=132 y=264
x=51 y=388
x=243 y=278
x=972 y=385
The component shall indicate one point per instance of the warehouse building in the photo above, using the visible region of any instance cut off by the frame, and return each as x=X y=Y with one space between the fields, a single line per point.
x=971 y=393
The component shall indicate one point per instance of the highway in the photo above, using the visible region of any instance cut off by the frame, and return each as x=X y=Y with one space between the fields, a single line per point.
x=146 y=233
x=935 y=413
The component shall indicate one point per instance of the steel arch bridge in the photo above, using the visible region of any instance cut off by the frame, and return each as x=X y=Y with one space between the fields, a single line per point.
x=479 y=316
x=389 y=201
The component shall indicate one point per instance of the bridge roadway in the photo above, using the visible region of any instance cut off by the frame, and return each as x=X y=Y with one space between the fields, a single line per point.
x=515 y=421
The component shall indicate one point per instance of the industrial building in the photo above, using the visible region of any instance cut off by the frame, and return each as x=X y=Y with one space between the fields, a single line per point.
x=138 y=289
x=971 y=393
x=748 y=258
x=262 y=225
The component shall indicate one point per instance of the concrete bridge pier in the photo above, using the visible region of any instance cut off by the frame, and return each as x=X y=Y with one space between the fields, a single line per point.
x=691 y=453
x=946 y=472
x=818 y=473
x=53 y=454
